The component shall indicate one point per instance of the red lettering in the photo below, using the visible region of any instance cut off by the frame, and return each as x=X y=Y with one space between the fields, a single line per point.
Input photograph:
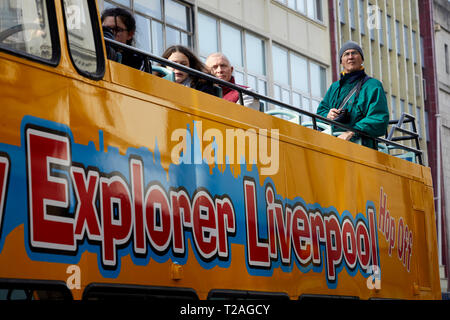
x=204 y=224
x=363 y=245
x=349 y=243
x=301 y=235
x=116 y=208
x=257 y=252
x=48 y=192
x=181 y=212
x=333 y=245
x=317 y=235
x=86 y=213
x=225 y=224
x=157 y=214
x=137 y=187
x=4 y=171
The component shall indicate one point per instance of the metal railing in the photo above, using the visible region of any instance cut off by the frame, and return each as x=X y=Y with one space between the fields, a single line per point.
x=392 y=142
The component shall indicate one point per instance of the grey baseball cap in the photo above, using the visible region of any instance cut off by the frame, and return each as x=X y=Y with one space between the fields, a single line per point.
x=350 y=45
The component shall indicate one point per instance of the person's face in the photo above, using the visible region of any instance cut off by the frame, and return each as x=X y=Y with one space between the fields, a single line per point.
x=220 y=67
x=351 y=60
x=121 y=34
x=179 y=58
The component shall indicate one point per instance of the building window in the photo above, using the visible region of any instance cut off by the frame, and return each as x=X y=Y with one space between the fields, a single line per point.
x=389 y=31
x=159 y=23
x=419 y=121
x=397 y=36
x=246 y=51
x=311 y=8
x=406 y=41
x=362 y=20
x=342 y=16
x=414 y=47
x=422 y=52
x=447 y=67
x=394 y=107
x=380 y=27
x=297 y=80
x=351 y=13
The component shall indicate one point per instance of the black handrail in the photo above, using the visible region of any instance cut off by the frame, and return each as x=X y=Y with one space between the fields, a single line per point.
x=241 y=90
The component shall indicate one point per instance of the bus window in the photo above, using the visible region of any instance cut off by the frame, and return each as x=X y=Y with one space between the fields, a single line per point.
x=28 y=28
x=83 y=37
x=33 y=290
x=218 y=294
x=96 y=291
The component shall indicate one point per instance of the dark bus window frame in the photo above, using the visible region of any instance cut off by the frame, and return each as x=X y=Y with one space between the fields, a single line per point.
x=29 y=286
x=226 y=294
x=105 y=291
x=98 y=41
x=54 y=36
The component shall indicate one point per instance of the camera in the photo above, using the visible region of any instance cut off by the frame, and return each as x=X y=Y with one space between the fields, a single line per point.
x=343 y=117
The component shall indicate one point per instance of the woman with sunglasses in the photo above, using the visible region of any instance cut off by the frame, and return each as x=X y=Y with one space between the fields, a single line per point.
x=120 y=25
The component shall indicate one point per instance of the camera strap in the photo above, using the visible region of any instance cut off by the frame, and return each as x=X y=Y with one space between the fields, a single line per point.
x=356 y=89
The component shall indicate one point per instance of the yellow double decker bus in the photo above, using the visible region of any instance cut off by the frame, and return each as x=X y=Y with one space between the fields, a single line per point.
x=116 y=182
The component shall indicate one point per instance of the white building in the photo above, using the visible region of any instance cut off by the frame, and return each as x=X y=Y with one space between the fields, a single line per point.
x=280 y=48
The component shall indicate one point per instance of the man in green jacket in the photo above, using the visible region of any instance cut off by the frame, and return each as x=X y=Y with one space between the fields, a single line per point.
x=366 y=107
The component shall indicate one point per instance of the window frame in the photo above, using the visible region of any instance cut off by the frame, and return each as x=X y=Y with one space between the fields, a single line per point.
x=98 y=41
x=289 y=87
x=230 y=294
x=25 y=284
x=163 y=22
x=241 y=69
x=127 y=291
x=54 y=38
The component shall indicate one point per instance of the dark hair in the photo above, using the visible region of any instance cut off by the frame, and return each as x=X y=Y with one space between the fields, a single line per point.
x=126 y=17
x=194 y=62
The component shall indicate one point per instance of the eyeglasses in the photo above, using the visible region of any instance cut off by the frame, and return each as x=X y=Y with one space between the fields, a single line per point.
x=117 y=29
x=350 y=53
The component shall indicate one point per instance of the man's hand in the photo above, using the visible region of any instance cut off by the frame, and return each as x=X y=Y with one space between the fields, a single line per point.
x=333 y=114
x=346 y=135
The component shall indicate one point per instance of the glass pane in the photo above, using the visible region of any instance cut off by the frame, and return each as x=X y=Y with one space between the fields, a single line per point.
x=317 y=80
x=262 y=87
x=299 y=73
x=149 y=7
x=252 y=82
x=285 y=96
x=80 y=35
x=238 y=77
x=277 y=92
x=280 y=65
x=255 y=55
x=142 y=35
x=311 y=9
x=301 y=6
x=177 y=14
x=24 y=27
x=185 y=39
x=314 y=105
x=207 y=35
x=291 y=4
x=232 y=44
x=305 y=104
x=126 y=3
x=296 y=99
x=172 y=37
x=157 y=38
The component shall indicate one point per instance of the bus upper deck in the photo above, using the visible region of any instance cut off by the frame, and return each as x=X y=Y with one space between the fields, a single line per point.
x=114 y=181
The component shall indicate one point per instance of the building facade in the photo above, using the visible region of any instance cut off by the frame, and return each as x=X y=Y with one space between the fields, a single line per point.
x=400 y=48
x=279 y=48
x=441 y=12
x=389 y=33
